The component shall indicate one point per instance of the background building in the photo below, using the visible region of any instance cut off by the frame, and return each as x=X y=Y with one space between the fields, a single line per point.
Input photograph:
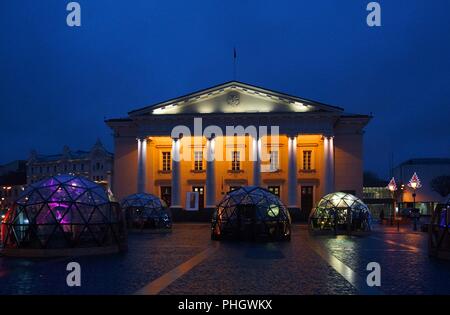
x=427 y=169
x=96 y=164
x=377 y=197
x=13 y=179
x=319 y=149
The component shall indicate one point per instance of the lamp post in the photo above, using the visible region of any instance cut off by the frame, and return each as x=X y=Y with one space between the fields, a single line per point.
x=414 y=183
x=392 y=186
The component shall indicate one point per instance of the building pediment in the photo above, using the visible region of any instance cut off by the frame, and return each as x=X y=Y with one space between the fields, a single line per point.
x=235 y=97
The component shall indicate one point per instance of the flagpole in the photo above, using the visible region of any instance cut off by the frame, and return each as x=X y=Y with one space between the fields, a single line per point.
x=234 y=64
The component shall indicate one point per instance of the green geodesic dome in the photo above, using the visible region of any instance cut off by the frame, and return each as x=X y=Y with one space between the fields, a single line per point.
x=251 y=212
x=340 y=211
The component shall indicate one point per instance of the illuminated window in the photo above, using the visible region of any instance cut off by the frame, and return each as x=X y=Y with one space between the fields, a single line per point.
x=235 y=161
x=274 y=190
x=198 y=160
x=166 y=161
x=307 y=160
x=274 y=161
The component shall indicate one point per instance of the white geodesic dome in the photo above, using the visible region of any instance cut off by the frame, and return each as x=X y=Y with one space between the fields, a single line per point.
x=340 y=210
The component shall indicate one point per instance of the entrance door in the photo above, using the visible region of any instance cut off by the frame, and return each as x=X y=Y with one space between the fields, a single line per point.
x=166 y=194
x=307 y=200
x=234 y=188
x=201 y=196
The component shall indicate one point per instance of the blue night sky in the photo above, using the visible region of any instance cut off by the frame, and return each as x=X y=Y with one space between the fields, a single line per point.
x=57 y=84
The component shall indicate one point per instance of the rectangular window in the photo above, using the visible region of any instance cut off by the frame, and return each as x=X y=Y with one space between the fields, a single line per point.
x=166 y=161
x=274 y=190
x=198 y=161
x=307 y=160
x=235 y=161
x=274 y=161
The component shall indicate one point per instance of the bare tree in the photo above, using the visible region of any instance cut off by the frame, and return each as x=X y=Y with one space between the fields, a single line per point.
x=441 y=185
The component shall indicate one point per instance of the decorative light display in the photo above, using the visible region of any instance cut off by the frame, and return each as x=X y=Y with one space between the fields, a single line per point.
x=414 y=182
x=251 y=213
x=62 y=212
x=340 y=211
x=392 y=186
x=146 y=211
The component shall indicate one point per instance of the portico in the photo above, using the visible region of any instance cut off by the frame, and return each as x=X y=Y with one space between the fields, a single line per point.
x=235 y=134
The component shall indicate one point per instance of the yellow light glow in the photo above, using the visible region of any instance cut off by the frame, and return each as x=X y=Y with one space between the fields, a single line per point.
x=273 y=211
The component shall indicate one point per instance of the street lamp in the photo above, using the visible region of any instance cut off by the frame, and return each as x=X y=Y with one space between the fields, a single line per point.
x=392 y=186
x=414 y=183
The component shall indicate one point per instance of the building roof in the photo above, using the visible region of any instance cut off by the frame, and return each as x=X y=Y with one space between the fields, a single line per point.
x=235 y=98
x=230 y=84
x=68 y=154
x=72 y=155
x=425 y=161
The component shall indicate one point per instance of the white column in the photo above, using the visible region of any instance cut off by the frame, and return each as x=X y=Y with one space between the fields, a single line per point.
x=142 y=161
x=256 y=155
x=210 y=173
x=331 y=160
x=328 y=154
x=292 y=172
x=176 y=187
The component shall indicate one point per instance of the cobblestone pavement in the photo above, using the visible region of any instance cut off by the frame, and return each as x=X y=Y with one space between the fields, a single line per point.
x=240 y=268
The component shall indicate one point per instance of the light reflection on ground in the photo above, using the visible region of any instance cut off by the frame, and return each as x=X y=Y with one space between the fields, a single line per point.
x=306 y=265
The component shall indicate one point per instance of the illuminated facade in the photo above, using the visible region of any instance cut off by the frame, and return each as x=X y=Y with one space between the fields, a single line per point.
x=189 y=151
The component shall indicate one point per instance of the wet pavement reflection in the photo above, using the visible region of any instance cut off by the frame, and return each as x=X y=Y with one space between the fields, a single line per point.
x=186 y=261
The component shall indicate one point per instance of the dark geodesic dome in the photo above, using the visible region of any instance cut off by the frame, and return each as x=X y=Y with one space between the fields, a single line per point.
x=439 y=232
x=145 y=210
x=444 y=215
x=340 y=211
x=251 y=212
x=64 y=212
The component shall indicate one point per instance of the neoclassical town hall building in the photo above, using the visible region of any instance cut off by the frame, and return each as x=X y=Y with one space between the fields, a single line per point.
x=161 y=149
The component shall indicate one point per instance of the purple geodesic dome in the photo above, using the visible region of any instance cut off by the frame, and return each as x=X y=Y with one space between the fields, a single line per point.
x=63 y=211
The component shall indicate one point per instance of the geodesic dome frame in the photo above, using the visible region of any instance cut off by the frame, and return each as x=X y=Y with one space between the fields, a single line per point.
x=340 y=211
x=252 y=213
x=63 y=212
x=145 y=210
x=439 y=232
